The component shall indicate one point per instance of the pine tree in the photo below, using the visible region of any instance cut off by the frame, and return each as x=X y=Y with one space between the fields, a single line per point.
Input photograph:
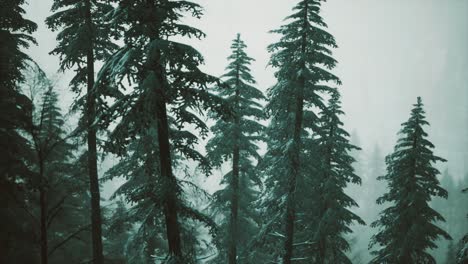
x=335 y=173
x=167 y=91
x=84 y=39
x=236 y=140
x=140 y=168
x=407 y=227
x=117 y=233
x=16 y=177
x=303 y=58
x=59 y=202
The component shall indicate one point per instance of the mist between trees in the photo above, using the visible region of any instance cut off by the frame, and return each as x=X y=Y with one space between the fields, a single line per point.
x=209 y=169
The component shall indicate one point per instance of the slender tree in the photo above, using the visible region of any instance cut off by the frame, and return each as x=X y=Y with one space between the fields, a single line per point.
x=236 y=140
x=84 y=39
x=167 y=90
x=407 y=227
x=16 y=177
x=140 y=168
x=60 y=194
x=335 y=173
x=303 y=58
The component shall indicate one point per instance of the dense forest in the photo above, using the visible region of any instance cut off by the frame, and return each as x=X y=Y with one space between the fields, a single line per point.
x=295 y=186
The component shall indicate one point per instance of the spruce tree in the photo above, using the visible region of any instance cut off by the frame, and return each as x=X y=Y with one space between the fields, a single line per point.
x=303 y=59
x=334 y=174
x=16 y=154
x=407 y=228
x=156 y=81
x=236 y=140
x=58 y=203
x=84 y=39
x=142 y=189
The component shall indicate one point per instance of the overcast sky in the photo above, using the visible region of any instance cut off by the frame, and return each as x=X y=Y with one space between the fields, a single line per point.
x=390 y=52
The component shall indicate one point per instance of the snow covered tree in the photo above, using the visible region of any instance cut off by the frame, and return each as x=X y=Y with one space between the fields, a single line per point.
x=156 y=82
x=140 y=168
x=303 y=59
x=236 y=140
x=407 y=227
x=84 y=39
x=16 y=177
x=334 y=174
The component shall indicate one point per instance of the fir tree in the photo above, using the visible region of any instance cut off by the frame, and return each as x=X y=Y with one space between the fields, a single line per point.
x=335 y=173
x=84 y=39
x=407 y=227
x=59 y=202
x=167 y=91
x=303 y=58
x=140 y=168
x=16 y=176
x=117 y=232
x=236 y=140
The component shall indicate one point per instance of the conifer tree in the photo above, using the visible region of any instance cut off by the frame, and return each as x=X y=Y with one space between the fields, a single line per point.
x=407 y=227
x=16 y=176
x=140 y=168
x=303 y=60
x=62 y=209
x=334 y=174
x=236 y=140
x=164 y=88
x=84 y=39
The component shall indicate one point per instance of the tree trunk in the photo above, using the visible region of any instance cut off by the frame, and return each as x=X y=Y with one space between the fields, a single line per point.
x=43 y=205
x=324 y=207
x=232 y=252
x=150 y=245
x=171 y=189
x=295 y=157
x=96 y=228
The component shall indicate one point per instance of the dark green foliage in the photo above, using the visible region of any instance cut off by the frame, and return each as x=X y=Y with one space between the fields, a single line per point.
x=61 y=199
x=303 y=59
x=156 y=82
x=407 y=227
x=84 y=39
x=236 y=140
x=117 y=232
x=16 y=178
x=334 y=173
x=76 y=37
x=141 y=191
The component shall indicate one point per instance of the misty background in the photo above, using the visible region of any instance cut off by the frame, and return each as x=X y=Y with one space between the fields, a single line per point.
x=390 y=52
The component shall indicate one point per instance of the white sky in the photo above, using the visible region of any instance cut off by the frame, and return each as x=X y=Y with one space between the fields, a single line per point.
x=390 y=52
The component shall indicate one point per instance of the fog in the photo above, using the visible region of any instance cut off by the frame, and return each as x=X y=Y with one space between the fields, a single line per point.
x=390 y=52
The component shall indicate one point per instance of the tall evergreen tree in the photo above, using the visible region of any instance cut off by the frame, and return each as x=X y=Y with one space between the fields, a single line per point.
x=16 y=236
x=407 y=227
x=236 y=140
x=84 y=39
x=335 y=173
x=140 y=168
x=303 y=58
x=167 y=91
x=60 y=201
